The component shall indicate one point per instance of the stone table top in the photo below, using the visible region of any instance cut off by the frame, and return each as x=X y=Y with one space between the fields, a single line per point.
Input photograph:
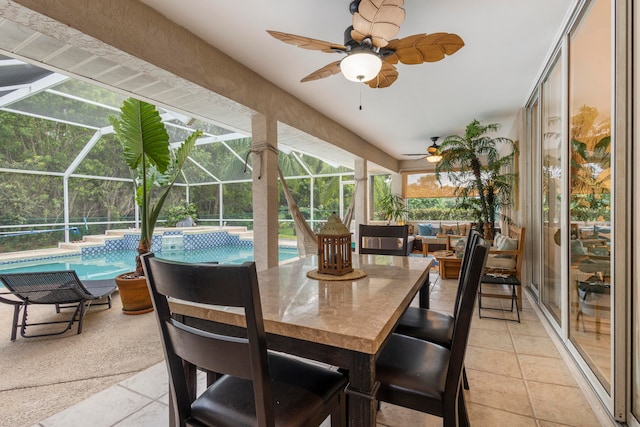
x=354 y=314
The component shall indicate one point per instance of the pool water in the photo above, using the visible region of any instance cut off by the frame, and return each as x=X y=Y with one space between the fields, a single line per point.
x=109 y=265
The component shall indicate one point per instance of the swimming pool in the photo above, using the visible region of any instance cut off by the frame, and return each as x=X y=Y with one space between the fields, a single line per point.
x=110 y=264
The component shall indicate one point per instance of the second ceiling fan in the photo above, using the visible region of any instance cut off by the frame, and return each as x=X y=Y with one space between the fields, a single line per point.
x=371 y=55
x=433 y=152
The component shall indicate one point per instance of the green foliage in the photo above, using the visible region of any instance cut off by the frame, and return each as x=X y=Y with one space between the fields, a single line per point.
x=483 y=187
x=180 y=212
x=392 y=207
x=145 y=144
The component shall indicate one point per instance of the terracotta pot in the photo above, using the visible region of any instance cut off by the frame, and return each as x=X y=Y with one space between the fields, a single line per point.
x=134 y=294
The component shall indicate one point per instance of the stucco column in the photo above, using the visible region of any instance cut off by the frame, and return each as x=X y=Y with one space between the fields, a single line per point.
x=361 y=206
x=265 y=190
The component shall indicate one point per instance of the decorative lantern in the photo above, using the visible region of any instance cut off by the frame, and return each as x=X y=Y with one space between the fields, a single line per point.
x=334 y=248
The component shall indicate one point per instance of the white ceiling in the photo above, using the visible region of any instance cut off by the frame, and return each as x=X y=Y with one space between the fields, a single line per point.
x=489 y=79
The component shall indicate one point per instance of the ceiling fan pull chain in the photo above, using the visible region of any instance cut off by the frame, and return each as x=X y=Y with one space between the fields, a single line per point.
x=360 y=99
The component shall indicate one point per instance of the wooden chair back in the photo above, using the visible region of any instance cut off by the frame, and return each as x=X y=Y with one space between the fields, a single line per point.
x=513 y=232
x=463 y=316
x=383 y=239
x=243 y=357
x=473 y=239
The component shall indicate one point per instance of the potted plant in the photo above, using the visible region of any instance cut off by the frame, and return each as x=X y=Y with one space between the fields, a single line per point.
x=479 y=174
x=393 y=208
x=154 y=168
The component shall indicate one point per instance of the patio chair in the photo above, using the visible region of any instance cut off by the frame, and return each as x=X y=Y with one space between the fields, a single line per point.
x=425 y=376
x=435 y=326
x=384 y=240
x=254 y=386
x=61 y=288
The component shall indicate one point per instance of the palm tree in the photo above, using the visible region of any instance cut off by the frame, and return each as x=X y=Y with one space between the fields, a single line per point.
x=474 y=164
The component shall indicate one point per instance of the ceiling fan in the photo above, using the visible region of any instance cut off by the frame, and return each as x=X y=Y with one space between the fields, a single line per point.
x=370 y=54
x=433 y=152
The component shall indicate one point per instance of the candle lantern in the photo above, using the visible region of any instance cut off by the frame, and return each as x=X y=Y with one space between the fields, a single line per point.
x=334 y=248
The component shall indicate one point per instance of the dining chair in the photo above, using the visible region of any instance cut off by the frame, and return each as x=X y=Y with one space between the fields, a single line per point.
x=436 y=326
x=383 y=239
x=253 y=386
x=425 y=376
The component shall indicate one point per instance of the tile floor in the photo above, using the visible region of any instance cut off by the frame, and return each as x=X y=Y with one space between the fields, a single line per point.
x=516 y=374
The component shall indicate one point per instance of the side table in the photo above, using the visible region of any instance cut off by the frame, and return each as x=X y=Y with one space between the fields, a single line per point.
x=449 y=266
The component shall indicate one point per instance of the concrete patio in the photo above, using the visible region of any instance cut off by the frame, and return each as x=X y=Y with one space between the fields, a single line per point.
x=112 y=375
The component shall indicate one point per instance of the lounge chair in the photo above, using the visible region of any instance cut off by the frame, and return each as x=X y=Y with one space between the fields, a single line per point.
x=62 y=288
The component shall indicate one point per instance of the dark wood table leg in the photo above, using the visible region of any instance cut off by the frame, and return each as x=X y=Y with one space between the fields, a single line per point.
x=361 y=391
x=423 y=299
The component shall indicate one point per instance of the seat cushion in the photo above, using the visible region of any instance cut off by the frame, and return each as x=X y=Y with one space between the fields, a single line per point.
x=300 y=391
x=428 y=325
x=501 y=262
x=412 y=373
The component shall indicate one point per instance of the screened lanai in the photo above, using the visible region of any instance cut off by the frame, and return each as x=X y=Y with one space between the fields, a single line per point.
x=62 y=175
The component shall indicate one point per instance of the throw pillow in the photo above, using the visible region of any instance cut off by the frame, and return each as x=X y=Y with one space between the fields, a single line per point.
x=498 y=239
x=425 y=230
x=508 y=244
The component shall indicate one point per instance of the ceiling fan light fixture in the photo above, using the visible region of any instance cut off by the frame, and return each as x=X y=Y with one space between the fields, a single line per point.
x=361 y=66
x=434 y=158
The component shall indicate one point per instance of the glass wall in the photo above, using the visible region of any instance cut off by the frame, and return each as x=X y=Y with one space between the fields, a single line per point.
x=552 y=197
x=635 y=330
x=534 y=246
x=589 y=197
x=574 y=141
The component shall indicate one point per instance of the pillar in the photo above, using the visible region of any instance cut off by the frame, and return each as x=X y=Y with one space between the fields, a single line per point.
x=265 y=191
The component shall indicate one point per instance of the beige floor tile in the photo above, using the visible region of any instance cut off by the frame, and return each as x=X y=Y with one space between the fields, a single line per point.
x=493 y=361
x=441 y=305
x=488 y=324
x=528 y=327
x=152 y=383
x=542 y=423
x=536 y=346
x=488 y=338
x=446 y=291
x=94 y=412
x=155 y=414
x=397 y=416
x=526 y=315
x=498 y=392
x=561 y=404
x=480 y=415
x=546 y=370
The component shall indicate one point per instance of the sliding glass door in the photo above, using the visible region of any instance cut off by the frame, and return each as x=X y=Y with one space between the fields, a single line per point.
x=552 y=197
x=589 y=198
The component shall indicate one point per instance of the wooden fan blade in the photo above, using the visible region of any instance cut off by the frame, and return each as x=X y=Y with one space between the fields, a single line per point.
x=385 y=78
x=377 y=19
x=421 y=48
x=307 y=43
x=326 y=71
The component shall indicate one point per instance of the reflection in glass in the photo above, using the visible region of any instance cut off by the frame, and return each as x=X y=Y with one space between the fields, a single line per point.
x=552 y=191
x=590 y=278
x=635 y=363
x=535 y=248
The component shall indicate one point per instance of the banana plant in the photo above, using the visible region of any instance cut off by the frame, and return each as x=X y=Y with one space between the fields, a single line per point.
x=155 y=168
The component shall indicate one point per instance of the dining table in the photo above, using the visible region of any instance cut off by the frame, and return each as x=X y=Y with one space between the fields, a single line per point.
x=341 y=322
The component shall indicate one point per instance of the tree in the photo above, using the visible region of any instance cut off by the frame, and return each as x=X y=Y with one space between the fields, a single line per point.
x=477 y=169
